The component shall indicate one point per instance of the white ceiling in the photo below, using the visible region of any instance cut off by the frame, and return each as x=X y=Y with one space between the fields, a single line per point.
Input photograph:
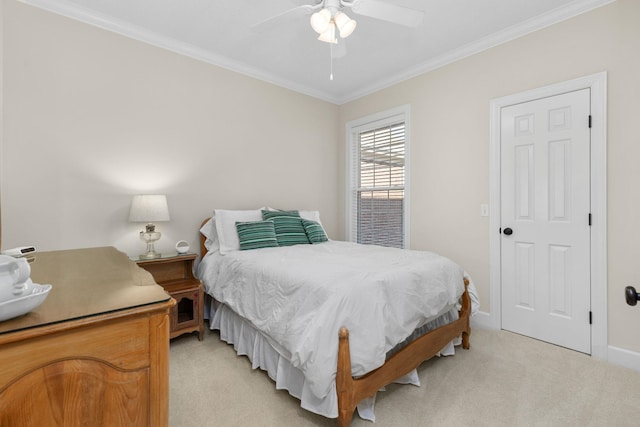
x=378 y=53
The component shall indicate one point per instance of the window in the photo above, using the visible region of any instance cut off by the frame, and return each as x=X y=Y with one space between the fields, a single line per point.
x=377 y=205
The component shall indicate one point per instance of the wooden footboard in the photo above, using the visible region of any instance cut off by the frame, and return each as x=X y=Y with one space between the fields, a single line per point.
x=352 y=390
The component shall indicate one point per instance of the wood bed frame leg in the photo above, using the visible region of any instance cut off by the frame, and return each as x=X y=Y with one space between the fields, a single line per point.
x=465 y=340
x=344 y=380
x=465 y=311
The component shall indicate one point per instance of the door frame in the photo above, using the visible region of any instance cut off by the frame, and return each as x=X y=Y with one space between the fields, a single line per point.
x=598 y=85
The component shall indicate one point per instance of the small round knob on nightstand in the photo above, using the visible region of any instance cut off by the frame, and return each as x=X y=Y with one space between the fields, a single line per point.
x=182 y=247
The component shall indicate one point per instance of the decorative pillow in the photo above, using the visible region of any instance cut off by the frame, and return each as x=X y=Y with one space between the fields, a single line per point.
x=315 y=232
x=226 y=227
x=310 y=215
x=256 y=235
x=288 y=226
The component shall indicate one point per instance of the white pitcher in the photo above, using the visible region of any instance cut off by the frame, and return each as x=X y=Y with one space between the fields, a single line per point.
x=14 y=277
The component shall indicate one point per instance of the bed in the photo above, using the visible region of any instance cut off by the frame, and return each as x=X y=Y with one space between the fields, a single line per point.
x=332 y=322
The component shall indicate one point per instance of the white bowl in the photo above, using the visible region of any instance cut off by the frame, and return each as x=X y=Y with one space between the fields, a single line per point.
x=24 y=304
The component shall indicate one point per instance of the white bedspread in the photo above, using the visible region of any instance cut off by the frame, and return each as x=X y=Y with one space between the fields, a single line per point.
x=300 y=296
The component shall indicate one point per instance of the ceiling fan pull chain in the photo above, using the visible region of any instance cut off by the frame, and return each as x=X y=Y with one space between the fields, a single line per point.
x=331 y=60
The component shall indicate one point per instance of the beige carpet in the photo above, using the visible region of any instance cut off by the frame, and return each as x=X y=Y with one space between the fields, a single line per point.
x=503 y=380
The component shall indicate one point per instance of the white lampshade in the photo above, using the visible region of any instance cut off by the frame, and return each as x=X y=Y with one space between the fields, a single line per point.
x=345 y=24
x=149 y=208
x=329 y=35
x=320 y=21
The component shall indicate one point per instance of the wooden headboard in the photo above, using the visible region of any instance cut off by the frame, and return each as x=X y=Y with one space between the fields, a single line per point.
x=203 y=248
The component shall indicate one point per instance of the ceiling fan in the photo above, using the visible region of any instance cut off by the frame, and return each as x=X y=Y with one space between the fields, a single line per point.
x=328 y=18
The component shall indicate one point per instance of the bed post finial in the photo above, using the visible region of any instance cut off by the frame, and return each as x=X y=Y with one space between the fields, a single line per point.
x=344 y=333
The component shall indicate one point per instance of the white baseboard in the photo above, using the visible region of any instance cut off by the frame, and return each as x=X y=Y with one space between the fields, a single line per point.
x=627 y=358
x=482 y=320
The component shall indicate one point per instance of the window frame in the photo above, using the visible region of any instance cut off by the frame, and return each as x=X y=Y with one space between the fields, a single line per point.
x=353 y=129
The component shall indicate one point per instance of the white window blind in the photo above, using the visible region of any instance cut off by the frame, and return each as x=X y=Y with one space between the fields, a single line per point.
x=378 y=194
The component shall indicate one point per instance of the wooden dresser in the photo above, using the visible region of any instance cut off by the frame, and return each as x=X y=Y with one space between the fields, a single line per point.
x=95 y=353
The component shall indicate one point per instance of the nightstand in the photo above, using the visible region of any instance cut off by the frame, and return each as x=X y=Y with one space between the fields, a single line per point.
x=175 y=275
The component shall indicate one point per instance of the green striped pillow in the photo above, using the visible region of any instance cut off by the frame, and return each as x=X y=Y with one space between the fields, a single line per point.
x=315 y=232
x=256 y=235
x=288 y=226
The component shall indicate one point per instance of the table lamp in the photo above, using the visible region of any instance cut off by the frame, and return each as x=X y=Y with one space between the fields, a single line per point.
x=149 y=208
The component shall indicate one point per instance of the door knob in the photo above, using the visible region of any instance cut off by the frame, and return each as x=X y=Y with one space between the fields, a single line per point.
x=508 y=231
x=631 y=295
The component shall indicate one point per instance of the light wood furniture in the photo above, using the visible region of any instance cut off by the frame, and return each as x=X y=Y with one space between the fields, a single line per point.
x=95 y=352
x=175 y=275
x=351 y=390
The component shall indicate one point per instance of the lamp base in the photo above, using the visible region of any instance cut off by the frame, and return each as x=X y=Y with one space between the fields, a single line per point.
x=150 y=237
x=150 y=255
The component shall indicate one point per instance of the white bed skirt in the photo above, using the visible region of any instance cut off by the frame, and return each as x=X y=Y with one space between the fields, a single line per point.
x=262 y=353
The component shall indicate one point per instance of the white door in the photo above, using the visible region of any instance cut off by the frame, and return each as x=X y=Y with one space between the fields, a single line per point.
x=545 y=202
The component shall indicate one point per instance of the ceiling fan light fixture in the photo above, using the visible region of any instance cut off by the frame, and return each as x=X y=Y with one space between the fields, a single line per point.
x=345 y=24
x=320 y=21
x=329 y=36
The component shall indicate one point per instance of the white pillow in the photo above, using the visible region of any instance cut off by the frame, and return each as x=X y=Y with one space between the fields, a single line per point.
x=208 y=230
x=310 y=215
x=226 y=227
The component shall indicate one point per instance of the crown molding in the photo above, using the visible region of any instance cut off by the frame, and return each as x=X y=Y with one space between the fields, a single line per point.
x=78 y=13
x=126 y=29
x=555 y=16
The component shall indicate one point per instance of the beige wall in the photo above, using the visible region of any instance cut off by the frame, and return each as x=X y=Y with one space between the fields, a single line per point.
x=450 y=142
x=92 y=117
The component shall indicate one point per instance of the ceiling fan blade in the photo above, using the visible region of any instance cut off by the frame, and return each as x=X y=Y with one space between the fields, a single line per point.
x=283 y=18
x=388 y=12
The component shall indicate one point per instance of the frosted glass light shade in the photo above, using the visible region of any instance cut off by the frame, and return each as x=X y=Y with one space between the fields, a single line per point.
x=320 y=21
x=149 y=208
x=329 y=35
x=345 y=24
